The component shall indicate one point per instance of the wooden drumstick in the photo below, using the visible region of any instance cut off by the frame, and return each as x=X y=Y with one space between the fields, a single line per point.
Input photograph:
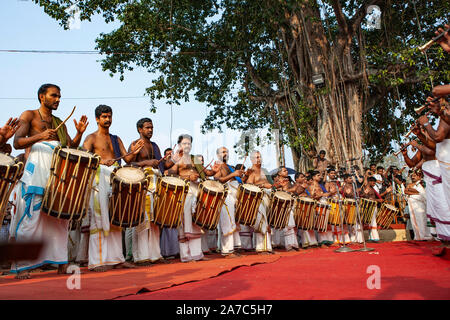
x=206 y=167
x=62 y=123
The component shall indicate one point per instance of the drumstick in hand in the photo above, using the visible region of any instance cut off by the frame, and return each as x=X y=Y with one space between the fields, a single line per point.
x=206 y=166
x=62 y=123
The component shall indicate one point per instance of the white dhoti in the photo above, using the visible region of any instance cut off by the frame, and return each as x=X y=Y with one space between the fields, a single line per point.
x=73 y=244
x=417 y=206
x=443 y=156
x=373 y=231
x=145 y=239
x=437 y=206
x=105 y=241
x=325 y=237
x=128 y=243
x=341 y=236
x=227 y=223
x=308 y=238
x=289 y=239
x=29 y=224
x=246 y=237
x=262 y=234
x=356 y=233
x=189 y=234
x=209 y=240
x=83 y=246
x=277 y=235
x=146 y=236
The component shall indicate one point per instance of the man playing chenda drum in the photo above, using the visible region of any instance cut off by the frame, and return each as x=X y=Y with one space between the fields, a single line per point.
x=189 y=234
x=145 y=237
x=255 y=175
x=229 y=231
x=105 y=241
x=38 y=136
x=368 y=191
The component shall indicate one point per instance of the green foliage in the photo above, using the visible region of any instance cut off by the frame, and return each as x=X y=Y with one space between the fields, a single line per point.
x=204 y=47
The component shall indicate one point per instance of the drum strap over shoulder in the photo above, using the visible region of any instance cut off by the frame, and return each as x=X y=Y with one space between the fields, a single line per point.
x=116 y=148
x=61 y=132
x=232 y=170
x=199 y=168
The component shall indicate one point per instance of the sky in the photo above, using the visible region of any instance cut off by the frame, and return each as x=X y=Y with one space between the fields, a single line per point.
x=25 y=26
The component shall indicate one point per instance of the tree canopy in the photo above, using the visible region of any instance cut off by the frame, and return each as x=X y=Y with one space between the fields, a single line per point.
x=252 y=62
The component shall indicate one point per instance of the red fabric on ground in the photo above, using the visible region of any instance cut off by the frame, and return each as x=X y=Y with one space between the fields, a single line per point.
x=120 y=282
x=408 y=270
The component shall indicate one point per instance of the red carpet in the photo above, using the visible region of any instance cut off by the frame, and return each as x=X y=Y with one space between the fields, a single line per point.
x=115 y=283
x=407 y=271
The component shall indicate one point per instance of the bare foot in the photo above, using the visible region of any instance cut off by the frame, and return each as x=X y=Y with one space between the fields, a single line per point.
x=82 y=264
x=23 y=275
x=231 y=256
x=124 y=265
x=162 y=261
x=263 y=253
x=47 y=267
x=204 y=259
x=37 y=270
x=62 y=268
x=100 y=269
x=143 y=263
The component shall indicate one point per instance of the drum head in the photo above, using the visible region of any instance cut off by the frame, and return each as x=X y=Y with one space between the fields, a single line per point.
x=390 y=207
x=130 y=174
x=173 y=181
x=212 y=185
x=6 y=160
x=77 y=152
x=251 y=188
x=306 y=199
x=283 y=195
x=350 y=200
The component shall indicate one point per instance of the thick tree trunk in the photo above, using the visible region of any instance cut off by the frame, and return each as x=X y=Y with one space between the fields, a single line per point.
x=338 y=128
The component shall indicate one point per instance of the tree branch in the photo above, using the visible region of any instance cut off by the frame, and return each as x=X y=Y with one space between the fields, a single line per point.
x=340 y=17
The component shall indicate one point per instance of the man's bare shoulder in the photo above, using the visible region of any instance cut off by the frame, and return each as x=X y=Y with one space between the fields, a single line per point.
x=91 y=136
x=28 y=115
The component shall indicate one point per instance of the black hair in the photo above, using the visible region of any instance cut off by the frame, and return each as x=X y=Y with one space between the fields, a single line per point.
x=184 y=136
x=322 y=152
x=103 y=108
x=297 y=174
x=370 y=179
x=43 y=89
x=140 y=123
x=240 y=167
x=379 y=167
x=168 y=149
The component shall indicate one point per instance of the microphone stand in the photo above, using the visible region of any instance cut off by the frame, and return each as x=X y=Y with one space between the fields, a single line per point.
x=344 y=248
x=365 y=249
